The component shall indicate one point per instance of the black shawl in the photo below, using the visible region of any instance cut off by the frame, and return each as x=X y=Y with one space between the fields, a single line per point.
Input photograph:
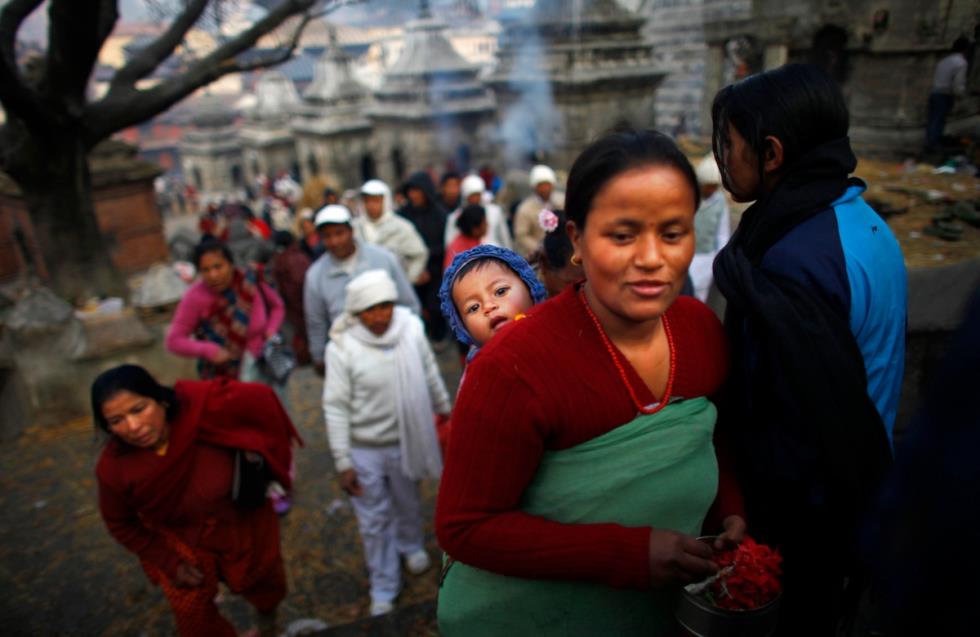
x=810 y=442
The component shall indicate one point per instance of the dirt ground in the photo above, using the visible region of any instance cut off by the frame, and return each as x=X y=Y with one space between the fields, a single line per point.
x=923 y=194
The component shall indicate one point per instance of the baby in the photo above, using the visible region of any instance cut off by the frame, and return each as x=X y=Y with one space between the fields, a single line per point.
x=485 y=288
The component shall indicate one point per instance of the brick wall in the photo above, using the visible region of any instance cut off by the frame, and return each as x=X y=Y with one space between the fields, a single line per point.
x=127 y=215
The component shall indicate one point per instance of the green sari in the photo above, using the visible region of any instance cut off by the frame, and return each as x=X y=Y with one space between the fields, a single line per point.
x=658 y=470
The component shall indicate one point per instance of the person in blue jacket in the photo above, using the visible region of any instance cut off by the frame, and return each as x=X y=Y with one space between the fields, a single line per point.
x=815 y=285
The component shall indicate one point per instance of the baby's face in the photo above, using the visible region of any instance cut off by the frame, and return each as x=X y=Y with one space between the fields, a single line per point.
x=488 y=298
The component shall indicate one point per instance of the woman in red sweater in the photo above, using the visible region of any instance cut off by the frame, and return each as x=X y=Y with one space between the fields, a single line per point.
x=165 y=482
x=582 y=463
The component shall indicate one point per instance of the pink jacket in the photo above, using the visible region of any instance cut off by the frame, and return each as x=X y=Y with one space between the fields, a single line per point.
x=193 y=309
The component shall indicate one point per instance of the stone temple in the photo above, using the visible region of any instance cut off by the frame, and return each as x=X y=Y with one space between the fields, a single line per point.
x=562 y=77
x=567 y=70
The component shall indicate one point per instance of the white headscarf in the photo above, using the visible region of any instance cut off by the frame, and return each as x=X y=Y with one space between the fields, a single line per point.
x=413 y=405
x=376 y=187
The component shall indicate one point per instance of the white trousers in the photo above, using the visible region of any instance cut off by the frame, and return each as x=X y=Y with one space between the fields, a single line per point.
x=388 y=514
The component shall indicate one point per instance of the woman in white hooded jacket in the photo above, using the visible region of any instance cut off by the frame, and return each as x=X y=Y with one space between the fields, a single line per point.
x=382 y=393
x=378 y=224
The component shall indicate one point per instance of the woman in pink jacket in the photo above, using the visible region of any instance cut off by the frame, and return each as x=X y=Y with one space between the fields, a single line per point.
x=225 y=318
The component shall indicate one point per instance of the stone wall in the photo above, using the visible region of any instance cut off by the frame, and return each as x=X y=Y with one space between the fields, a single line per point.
x=130 y=220
x=268 y=157
x=127 y=215
x=883 y=54
x=676 y=29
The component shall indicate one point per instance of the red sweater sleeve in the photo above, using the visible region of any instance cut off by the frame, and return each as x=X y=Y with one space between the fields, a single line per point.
x=488 y=469
x=125 y=526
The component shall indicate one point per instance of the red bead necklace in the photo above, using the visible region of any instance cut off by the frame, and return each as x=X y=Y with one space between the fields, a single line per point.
x=619 y=366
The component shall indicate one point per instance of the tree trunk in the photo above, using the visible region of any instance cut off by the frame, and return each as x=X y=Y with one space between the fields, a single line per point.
x=59 y=198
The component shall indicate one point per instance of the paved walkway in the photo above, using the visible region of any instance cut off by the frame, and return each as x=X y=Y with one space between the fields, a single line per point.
x=62 y=574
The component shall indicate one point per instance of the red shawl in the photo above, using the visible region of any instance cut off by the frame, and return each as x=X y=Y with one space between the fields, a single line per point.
x=221 y=412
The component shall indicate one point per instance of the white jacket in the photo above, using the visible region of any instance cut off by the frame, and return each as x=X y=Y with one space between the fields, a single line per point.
x=359 y=395
x=399 y=236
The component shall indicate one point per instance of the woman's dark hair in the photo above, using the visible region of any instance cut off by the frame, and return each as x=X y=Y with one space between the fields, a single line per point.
x=470 y=218
x=557 y=248
x=131 y=378
x=799 y=104
x=960 y=45
x=615 y=153
x=208 y=246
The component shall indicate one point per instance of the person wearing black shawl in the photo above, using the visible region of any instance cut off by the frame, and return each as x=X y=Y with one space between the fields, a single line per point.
x=815 y=286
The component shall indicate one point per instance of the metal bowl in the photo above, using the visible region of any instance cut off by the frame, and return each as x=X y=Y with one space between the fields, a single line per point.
x=701 y=618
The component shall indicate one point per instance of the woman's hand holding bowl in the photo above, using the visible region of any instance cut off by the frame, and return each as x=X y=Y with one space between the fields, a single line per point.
x=676 y=558
x=733 y=534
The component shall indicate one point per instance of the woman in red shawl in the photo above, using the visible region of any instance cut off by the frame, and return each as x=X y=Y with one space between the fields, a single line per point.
x=165 y=482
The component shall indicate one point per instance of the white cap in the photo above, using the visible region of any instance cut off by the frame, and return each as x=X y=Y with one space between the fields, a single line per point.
x=707 y=172
x=542 y=174
x=368 y=289
x=332 y=214
x=374 y=188
x=471 y=185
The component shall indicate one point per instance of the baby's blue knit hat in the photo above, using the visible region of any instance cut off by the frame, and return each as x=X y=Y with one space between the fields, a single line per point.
x=511 y=259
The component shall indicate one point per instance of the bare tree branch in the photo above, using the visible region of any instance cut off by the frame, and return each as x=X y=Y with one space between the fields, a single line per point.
x=18 y=99
x=160 y=49
x=279 y=56
x=125 y=106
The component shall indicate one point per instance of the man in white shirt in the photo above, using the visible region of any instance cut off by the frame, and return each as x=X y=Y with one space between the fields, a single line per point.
x=528 y=232
x=949 y=81
x=326 y=280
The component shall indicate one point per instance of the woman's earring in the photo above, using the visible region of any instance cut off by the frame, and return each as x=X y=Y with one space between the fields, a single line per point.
x=575 y=260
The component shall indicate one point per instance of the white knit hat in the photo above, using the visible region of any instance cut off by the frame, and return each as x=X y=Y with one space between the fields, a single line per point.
x=542 y=174
x=472 y=184
x=374 y=188
x=368 y=289
x=332 y=213
x=707 y=172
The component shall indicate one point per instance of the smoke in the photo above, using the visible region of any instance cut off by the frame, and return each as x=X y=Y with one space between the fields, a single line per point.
x=527 y=126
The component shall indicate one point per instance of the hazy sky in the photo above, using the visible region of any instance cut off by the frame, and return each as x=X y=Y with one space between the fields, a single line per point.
x=35 y=27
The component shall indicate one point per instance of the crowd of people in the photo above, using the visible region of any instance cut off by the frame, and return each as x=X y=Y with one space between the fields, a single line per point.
x=606 y=418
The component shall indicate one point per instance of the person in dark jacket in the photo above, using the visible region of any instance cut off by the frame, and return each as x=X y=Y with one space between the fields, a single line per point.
x=816 y=289
x=429 y=218
x=289 y=268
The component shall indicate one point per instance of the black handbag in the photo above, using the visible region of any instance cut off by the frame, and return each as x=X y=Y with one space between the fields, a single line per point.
x=250 y=479
x=278 y=359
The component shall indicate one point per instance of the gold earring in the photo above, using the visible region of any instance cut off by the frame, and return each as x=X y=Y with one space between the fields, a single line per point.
x=575 y=260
